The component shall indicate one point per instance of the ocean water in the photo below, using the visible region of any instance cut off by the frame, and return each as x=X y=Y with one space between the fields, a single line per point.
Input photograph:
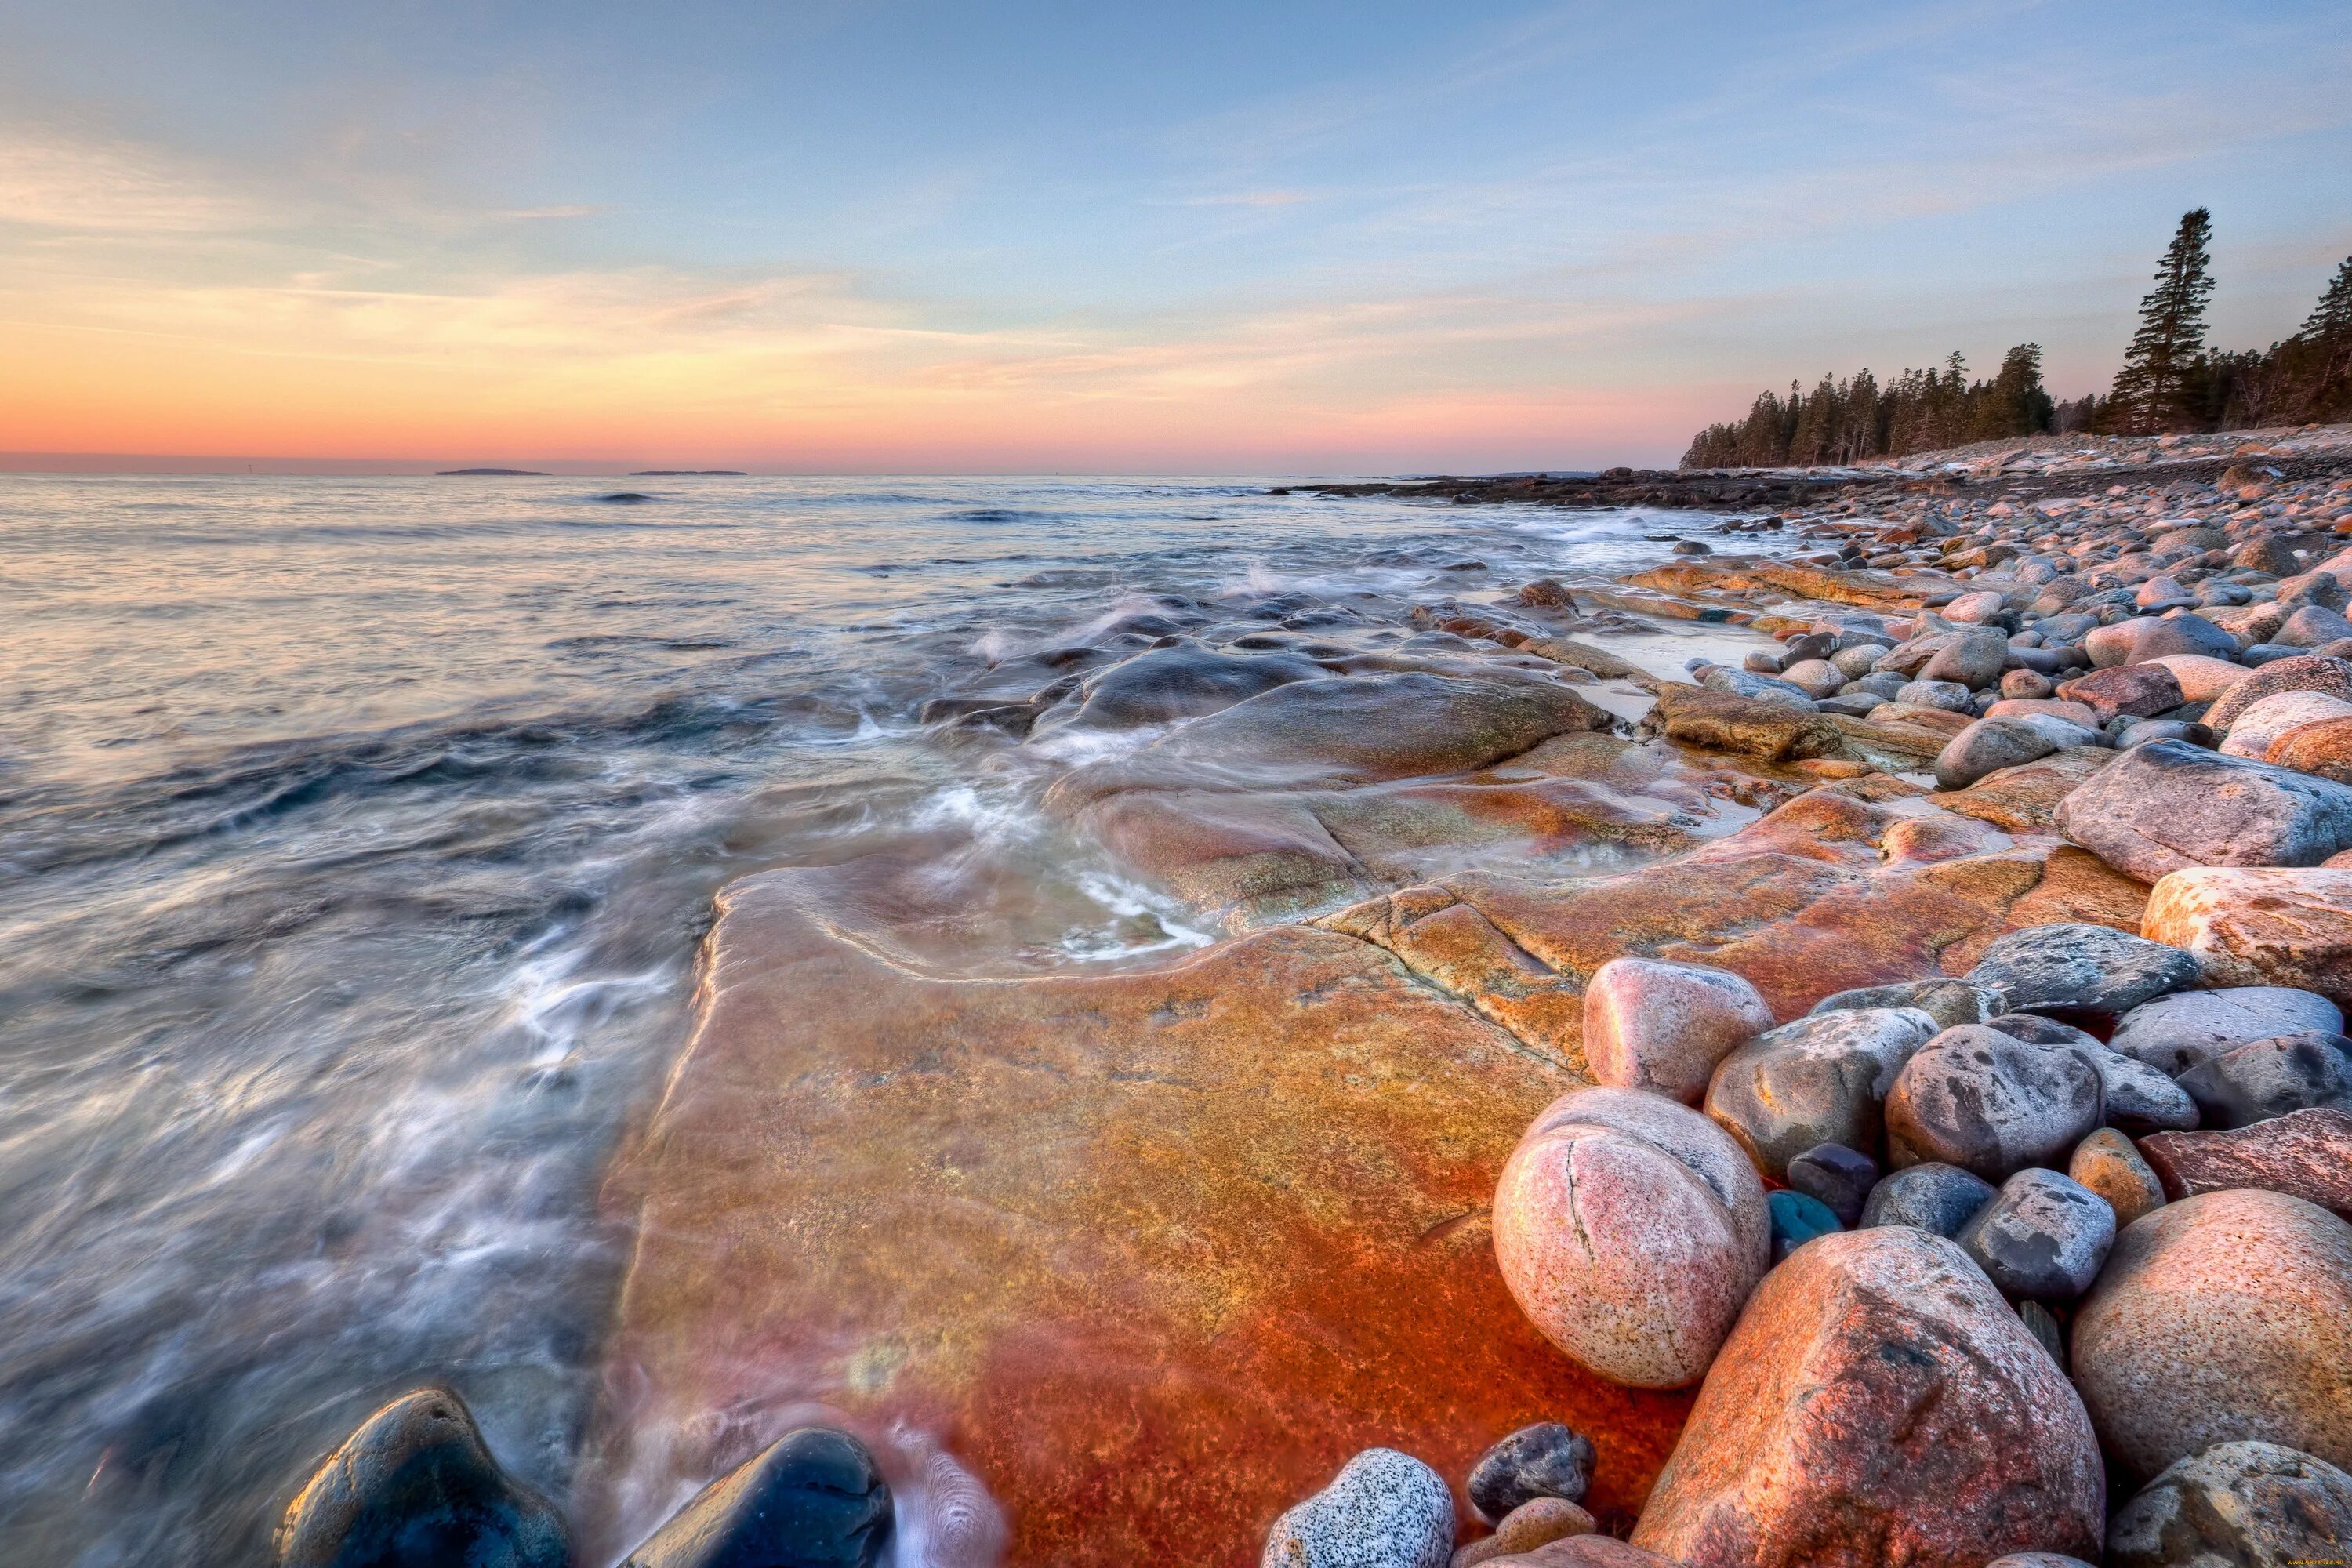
x=356 y=838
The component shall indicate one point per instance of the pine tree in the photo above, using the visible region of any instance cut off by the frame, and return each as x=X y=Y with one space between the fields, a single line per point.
x=2152 y=390
x=2328 y=383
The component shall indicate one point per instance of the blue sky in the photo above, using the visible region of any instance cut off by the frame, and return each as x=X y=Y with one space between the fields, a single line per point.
x=1270 y=238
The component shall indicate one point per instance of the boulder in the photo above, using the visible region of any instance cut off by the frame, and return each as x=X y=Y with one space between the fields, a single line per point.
x=1746 y=683
x=2219 y=1318
x=2312 y=626
x=1972 y=659
x=2107 y=1164
x=2183 y=634
x=1630 y=1230
x=2037 y=1559
x=1820 y=1079
x=1164 y=684
x=1838 y=1178
x=2079 y=968
x=1948 y=1002
x=1990 y=1104
x=2303 y=672
x=2137 y=1097
x=2254 y=731
x=415 y=1488
x=2252 y=1503
x=1974 y=609
x=813 y=1498
x=2027 y=685
x=1933 y=1197
x=2111 y=646
x=2259 y=926
x=2174 y=1033
x=2305 y=1154
x=2134 y=690
x=2043 y=1237
x=1664 y=1026
x=1947 y=695
x=1878 y=1402
x=2324 y=748
x=2202 y=680
x=1816 y=678
x=1771 y=731
x=2255 y=1082
x=1531 y=1524
x=2147 y=732
x=1544 y=1460
x=1989 y=745
x=1584 y=1552
x=2074 y=713
x=2166 y=806
x=1384 y=1509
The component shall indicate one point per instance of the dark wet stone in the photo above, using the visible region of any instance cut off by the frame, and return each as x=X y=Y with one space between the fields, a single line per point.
x=1796 y=1220
x=2044 y=1236
x=1988 y=1102
x=1182 y=682
x=1820 y=1079
x=814 y=1499
x=1546 y=1460
x=1932 y=1196
x=415 y=1488
x=2251 y=1504
x=2255 y=1082
x=1836 y=1177
x=2084 y=968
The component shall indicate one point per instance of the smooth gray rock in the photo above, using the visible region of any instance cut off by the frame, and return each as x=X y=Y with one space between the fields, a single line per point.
x=1384 y=1509
x=415 y=1488
x=1546 y=1460
x=1937 y=1197
x=2080 y=968
x=2236 y=1505
x=1989 y=1103
x=2043 y=1237
x=1859 y=660
x=2138 y=1099
x=1948 y=695
x=2147 y=732
x=1972 y=659
x=2167 y=806
x=1763 y=687
x=1987 y=746
x=2183 y=634
x=2173 y=1033
x=1820 y=1079
x=813 y=1498
x=2271 y=1078
x=1948 y=1002
x=2312 y=626
x=1838 y=1178
x=1817 y=678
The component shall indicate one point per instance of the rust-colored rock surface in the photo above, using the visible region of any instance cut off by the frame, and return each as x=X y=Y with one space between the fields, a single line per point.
x=1878 y=1402
x=1152 y=1253
x=2268 y=925
x=2307 y=1154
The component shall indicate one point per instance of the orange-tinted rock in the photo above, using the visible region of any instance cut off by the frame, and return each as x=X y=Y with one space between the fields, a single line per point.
x=2305 y=1154
x=2324 y=748
x=1878 y=1402
x=2268 y=925
x=1772 y=731
x=2024 y=799
x=1584 y=1552
x=1153 y=1254
x=1531 y=1524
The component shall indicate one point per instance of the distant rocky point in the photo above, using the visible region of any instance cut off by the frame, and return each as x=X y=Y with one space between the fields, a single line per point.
x=687 y=474
x=485 y=473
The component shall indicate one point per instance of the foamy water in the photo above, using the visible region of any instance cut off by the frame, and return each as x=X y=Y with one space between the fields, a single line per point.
x=357 y=836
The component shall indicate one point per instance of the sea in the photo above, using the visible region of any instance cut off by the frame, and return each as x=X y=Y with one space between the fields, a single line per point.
x=357 y=838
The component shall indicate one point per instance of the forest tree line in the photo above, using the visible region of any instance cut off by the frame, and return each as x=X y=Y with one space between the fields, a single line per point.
x=2171 y=379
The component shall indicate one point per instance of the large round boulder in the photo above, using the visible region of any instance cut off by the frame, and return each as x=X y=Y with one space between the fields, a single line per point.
x=2174 y=1033
x=2222 y=1318
x=1879 y=1403
x=2252 y=1503
x=1631 y=1230
x=1663 y=1026
x=2079 y=967
x=1989 y=1103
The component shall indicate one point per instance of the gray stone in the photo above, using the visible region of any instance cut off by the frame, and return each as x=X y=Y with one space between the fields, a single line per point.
x=1933 y=1196
x=1761 y=688
x=2080 y=968
x=2307 y=1071
x=2297 y=672
x=1948 y=1002
x=2137 y=1097
x=1384 y=1509
x=1546 y=1460
x=2184 y=634
x=1820 y=1079
x=1858 y=661
x=1838 y=1178
x=1989 y=1103
x=1972 y=659
x=415 y=1488
x=1987 y=746
x=2312 y=626
x=2147 y=732
x=1948 y=695
x=1818 y=677
x=2167 y=806
x=813 y=1498
x=2173 y=1033
x=2237 y=1505
x=2044 y=1236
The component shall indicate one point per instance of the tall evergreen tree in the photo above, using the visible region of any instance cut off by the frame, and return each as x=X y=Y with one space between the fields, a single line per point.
x=2154 y=389
x=2327 y=334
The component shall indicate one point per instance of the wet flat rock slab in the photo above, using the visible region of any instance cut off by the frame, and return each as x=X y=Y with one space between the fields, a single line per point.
x=1152 y=1253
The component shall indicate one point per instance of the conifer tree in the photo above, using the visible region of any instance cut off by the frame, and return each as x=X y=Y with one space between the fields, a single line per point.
x=2152 y=390
x=2329 y=336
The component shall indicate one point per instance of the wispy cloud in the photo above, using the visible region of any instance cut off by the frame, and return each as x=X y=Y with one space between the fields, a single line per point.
x=55 y=182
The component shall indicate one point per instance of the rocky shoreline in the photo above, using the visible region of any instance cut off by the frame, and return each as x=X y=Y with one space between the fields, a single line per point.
x=1876 y=1094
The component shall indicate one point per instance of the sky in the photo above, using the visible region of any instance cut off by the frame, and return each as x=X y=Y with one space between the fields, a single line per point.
x=1266 y=238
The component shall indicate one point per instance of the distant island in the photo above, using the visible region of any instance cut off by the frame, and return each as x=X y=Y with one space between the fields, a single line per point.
x=687 y=474
x=489 y=473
